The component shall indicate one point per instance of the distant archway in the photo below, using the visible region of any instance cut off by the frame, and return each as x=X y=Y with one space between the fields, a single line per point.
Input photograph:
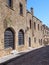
x=9 y=38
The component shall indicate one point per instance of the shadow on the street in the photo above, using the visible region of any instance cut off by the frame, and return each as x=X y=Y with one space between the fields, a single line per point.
x=35 y=57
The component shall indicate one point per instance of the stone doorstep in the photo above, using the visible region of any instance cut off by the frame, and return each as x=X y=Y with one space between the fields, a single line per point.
x=14 y=54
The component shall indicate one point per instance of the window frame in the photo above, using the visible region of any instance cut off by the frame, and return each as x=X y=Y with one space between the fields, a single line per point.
x=21 y=8
x=10 y=3
x=21 y=37
x=38 y=27
x=7 y=32
x=35 y=40
x=30 y=23
x=29 y=42
x=35 y=25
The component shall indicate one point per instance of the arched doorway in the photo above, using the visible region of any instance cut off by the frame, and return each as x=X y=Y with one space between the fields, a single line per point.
x=9 y=38
x=21 y=37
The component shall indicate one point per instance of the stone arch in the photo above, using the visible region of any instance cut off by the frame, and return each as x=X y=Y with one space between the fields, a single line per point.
x=21 y=37
x=9 y=38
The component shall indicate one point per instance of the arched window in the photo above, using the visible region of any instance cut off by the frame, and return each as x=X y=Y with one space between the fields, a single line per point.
x=21 y=37
x=9 y=38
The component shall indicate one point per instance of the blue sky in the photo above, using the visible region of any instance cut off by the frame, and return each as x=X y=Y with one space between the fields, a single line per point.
x=41 y=9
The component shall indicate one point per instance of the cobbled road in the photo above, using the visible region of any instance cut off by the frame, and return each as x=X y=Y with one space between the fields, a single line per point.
x=35 y=57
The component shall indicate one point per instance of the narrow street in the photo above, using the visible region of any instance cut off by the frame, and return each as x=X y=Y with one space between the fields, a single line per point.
x=35 y=57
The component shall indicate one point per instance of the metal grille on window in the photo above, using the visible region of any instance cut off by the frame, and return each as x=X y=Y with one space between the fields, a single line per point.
x=21 y=37
x=9 y=39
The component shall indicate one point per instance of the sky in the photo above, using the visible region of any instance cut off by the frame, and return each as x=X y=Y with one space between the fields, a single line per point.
x=41 y=9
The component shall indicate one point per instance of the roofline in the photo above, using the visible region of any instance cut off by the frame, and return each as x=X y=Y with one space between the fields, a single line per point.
x=29 y=12
x=37 y=19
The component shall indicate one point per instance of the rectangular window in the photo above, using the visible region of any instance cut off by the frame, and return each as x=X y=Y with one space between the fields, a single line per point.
x=38 y=26
x=10 y=3
x=41 y=27
x=35 y=40
x=34 y=25
x=30 y=24
x=21 y=9
x=39 y=40
x=29 y=42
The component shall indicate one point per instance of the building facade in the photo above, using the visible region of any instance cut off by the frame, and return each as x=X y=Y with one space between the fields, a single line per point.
x=45 y=35
x=19 y=28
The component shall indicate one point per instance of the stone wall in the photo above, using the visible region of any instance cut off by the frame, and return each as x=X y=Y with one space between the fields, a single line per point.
x=11 y=18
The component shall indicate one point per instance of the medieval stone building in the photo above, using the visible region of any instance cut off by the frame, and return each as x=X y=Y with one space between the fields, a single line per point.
x=45 y=35
x=19 y=28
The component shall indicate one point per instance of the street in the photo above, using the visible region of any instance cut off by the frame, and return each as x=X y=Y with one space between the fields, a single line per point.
x=35 y=57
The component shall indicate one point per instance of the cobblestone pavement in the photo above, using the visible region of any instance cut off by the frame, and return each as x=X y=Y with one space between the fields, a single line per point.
x=35 y=57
